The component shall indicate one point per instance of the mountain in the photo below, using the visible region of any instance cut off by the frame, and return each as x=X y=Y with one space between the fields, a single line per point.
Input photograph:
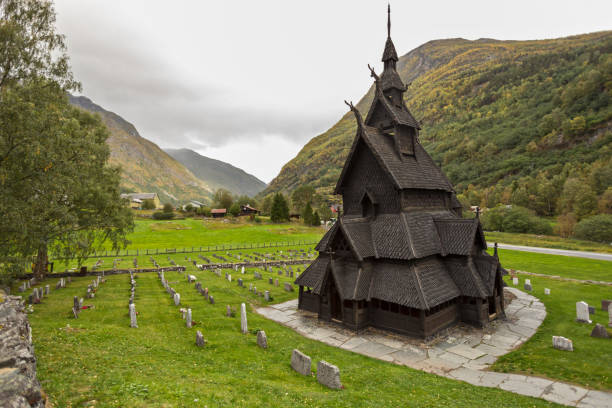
x=218 y=174
x=494 y=114
x=146 y=167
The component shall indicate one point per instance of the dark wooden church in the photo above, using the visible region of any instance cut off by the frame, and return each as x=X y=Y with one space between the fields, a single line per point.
x=401 y=257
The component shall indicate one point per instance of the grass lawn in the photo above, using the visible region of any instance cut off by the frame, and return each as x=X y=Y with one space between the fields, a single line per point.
x=192 y=232
x=565 y=266
x=590 y=364
x=546 y=241
x=100 y=361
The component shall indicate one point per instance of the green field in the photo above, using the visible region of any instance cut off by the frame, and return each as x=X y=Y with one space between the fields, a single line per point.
x=99 y=361
x=546 y=241
x=590 y=364
x=565 y=266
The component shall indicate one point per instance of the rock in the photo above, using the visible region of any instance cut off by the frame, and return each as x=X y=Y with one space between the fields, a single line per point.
x=300 y=362
x=243 y=319
x=200 y=339
x=561 y=343
x=600 y=332
x=262 y=340
x=328 y=375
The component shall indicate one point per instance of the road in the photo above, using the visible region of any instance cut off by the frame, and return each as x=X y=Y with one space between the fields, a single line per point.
x=553 y=251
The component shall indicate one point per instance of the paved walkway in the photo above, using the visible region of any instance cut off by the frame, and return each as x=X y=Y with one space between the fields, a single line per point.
x=462 y=353
x=552 y=251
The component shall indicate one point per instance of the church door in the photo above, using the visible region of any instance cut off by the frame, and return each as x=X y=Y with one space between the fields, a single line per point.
x=335 y=302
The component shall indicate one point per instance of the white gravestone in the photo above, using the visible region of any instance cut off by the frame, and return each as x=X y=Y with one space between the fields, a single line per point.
x=229 y=278
x=188 y=319
x=243 y=319
x=133 y=322
x=610 y=315
x=243 y=270
x=561 y=343
x=177 y=299
x=546 y=291
x=582 y=312
x=527 y=281
x=515 y=281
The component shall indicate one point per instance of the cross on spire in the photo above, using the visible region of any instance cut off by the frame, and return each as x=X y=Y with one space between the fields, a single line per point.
x=388 y=20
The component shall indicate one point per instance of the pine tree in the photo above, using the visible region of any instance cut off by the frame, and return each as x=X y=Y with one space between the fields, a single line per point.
x=307 y=214
x=316 y=220
x=280 y=210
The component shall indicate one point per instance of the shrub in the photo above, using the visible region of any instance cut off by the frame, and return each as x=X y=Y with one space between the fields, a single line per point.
x=162 y=215
x=235 y=210
x=514 y=219
x=168 y=208
x=148 y=205
x=597 y=228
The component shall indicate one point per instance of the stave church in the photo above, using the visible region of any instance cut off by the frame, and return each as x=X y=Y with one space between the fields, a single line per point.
x=400 y=257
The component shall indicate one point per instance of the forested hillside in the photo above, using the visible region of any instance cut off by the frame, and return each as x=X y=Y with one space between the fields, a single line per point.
x=146 y=167
x=514 y=122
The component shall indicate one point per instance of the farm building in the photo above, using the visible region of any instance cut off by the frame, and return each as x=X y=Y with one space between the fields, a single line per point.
x=218 y=212
x=136 y=199
x=400 y=257
x=248 y=210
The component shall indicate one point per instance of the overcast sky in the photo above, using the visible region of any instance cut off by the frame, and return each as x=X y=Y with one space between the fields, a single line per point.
x=250 y=82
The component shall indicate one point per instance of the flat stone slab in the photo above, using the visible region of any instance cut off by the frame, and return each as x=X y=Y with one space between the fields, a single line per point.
x=562 y=393
x=467 y=352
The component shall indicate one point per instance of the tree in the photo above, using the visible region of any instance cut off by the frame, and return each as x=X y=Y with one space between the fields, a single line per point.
x=577 y=197
x=325 y=212
x=565 y=225
x=168 y=208
x=316 y=220
x=266 y=205
x=597 y=228
x=604 y=204
x=223 y=198
x=280 y=210
x=307 y=214
x=235 y=210
x=148 y=205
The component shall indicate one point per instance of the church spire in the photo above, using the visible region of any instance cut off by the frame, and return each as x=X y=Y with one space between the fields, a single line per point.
x=388 y=20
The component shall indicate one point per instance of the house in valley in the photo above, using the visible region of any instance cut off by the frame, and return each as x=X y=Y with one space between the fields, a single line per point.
x=137 y=199
x=400 y=257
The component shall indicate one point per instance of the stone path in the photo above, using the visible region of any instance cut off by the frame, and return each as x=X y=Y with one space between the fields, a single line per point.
x=552 y=251
x=462 y=353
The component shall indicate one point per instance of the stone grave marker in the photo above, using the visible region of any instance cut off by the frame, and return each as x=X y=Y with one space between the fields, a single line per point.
x=262 y=340
x=528 y=286
x=276 y=282
x=243 y=269
x=188 y=321
x=271 y=281
x=243 y=319
x=528 y=281
x=75 y=307
x=228 y=311
x=211 y=300
x=546 y=291
x=610 y=315
x=604 y=304
x=300 y=362
x=267 y=295
x=600 y=332
x=582 y=312
x=561 y=343
x=133 y=322
x=177 y=299
x=199 y=339
x=240 y=283
x=328 y=375
x=229 y=278
x=515 y=281
x=288 y=287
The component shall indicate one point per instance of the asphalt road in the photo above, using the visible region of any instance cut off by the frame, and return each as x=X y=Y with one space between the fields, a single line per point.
x=552 y=251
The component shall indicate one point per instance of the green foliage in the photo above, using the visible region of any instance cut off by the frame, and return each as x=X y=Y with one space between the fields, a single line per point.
x=235 y=210
x=163 y=215
x=148 y=205
x=205 y=211
x=280 y=210
x=223 y=199
x=168 y=208
x=514 y=219
x=597 y=228
x=307 y=214
x=316 y=220
x=302 y=196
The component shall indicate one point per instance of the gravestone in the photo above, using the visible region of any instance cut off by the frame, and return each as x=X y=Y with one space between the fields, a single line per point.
x=243 y=270
x=243 y=319
x=81 y=303
x=528 y=281
x=188 y=321
x=561 y=343
x=600 y=332
x=546 y=291
x=276 y=282
x=528 y=287
x=177 y=299
x=211 y=300
x=582 y=312
x=604 y=304
x=328 y=375
x=228 y=311
x=133 y=322
x=288 y=287
x=47 y=290
x=271 y=281
x=229 y=278
x=250 y=287
x=191 y=278
x=240 y=283
x=267 y=295
x=300 y=362
x=75 y=307
x=199 y=339
x=591 y=310
x=262 y=340
x=610 y=315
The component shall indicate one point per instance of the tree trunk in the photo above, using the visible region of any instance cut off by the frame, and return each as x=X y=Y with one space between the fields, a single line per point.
x=40 y=267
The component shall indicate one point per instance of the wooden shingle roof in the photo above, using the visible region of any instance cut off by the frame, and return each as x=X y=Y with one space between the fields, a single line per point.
x=312 y=276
